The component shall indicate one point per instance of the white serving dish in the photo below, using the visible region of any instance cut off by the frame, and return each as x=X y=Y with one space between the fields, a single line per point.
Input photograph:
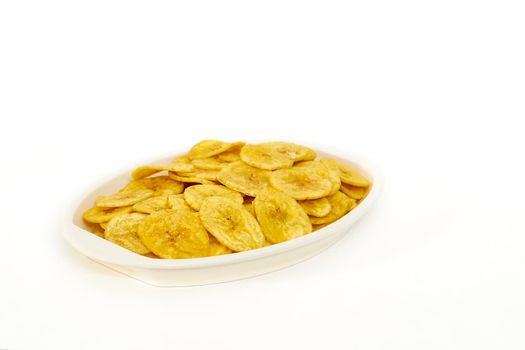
x=199 y=271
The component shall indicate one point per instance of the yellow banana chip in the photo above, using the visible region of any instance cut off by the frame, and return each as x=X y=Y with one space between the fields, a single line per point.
x=217 y=248
x=316 y=207
x=96 y=229
x=331 y=170
x=174 y=234
x=291 y=150
x=243 y=178
x=231 y=224
x=195 y=195
x=210 y=148
x=341 y=204
x=160 y=184
x=348 y=175
x=123 y=199
x=189 y=179
x=264 y=157
x=99 y=215
x=148 y=170
x=211 y=163
x=280 y=216
x=231 y=155
x=205 y=174
x=122 y=230
x=353 y=192
x=152 y=204
x=177 y=203
x=302 y=183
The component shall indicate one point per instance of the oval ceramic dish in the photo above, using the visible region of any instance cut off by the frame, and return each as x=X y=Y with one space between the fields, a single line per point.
x=198 y=271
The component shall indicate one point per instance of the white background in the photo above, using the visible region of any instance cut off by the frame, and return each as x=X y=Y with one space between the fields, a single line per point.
x=432 y=91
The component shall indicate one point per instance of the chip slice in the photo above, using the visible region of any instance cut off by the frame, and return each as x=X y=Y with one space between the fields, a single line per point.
x=96 y=229
x=243 y=178
x=122 y=230
x=265 y=157
x=204 y=174
x=177 y=203
x=348 y=175
x=212 y=163
x=231 y=224
x=189 y=179
x=280 y=216
x=291 y=150
x=217 y=248
x=353 y=192
x=195 y=195
x=99 y=215
x=210 y=148
x=231 y=155
x=148 y=170
x=160 y=184
x=302 y=183
x=152 y=204
x=341 y=204
x=316 y=207
x=173 y=234
x=123 y=198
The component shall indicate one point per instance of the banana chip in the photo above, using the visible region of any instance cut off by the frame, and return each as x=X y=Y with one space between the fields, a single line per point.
x=174 y=234
x=99 y=215
x=231 y=224
x=148 y=170
x=122 y=230
x=316 y=207
x=243 y=178
x=231 y=155
x=341 y=204
x=291 y=150
x=280 y=216
x=96 y=229
x=177 y=203
x=353 y=192
x=160 y=184
x=210 y=148
x=348 y=175
x=189 y=179
x=217 y=248
x=123 y=199
x=204 y=174
x=195 y=195
x=152 y=204
x=212 y=163
x=302 y=183
x=264 y=157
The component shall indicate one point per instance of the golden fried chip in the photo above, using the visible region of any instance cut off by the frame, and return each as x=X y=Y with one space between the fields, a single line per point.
x=99 y=215
x=291 y=150
x=348 y=175
x=209 y=148
x=177 y=203
x=231 y=224
x=189 y=179
x=152 y=204
x=341 y=204
x=195 y=195
x=353 y=192
x=217 y=248
x=243 y=178
x=205 y=174
x=231 y=155
x=264 y=157
x=316 y=207
x=280 y=216
x=160 y=184
x=211 y=163
x=173 y=234
x=148 y=170
x=123 y=199
x=302 y=183
x=122 y=230
x=331 y=169
x=96 y=229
